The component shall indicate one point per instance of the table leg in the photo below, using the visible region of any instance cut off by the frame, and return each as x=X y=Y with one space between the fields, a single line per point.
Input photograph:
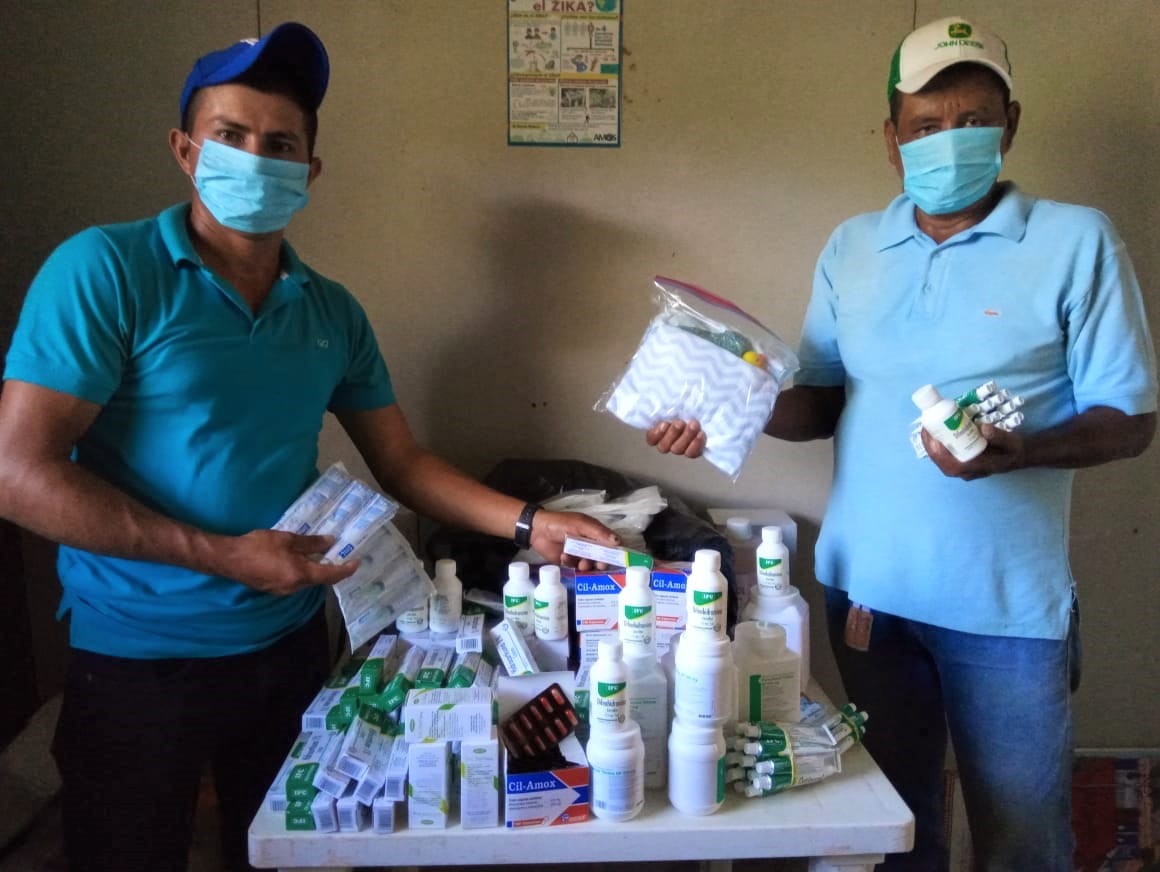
x=852 y=863
x=716 y=866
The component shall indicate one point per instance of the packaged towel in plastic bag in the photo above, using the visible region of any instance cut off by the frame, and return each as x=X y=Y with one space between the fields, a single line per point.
x=702 y=358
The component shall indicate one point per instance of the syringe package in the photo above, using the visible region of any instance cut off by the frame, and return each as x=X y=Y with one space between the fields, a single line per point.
x=702 y=358
x=390 y=579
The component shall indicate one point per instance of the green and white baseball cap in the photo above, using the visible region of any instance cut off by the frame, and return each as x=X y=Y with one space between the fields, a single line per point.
x=941 y=44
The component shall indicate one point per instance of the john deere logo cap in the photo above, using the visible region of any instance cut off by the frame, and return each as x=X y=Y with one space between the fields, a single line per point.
x=941 y=44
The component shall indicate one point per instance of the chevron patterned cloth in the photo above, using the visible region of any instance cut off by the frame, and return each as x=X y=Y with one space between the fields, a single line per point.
x=676 y=374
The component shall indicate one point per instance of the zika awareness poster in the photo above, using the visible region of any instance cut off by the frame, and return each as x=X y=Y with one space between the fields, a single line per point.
x=564 y=72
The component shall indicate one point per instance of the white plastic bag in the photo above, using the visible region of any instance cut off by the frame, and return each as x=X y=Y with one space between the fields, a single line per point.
x=703 y=358
x=627 y=515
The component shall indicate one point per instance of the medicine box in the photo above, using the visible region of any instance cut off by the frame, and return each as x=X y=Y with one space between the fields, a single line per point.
x=547 y=797
x=448 y=714
x=326 y=711
x=428 y=785
x=470 y=635
x=604 y=554
x=597 y=592
x=513 y=650
x=479 y=786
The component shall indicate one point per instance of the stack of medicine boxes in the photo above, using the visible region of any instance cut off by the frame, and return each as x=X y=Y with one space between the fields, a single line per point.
x=597 y=617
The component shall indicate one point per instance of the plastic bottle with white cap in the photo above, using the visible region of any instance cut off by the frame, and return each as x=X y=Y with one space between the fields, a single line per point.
x=744 y=540
x=636 y=619
x=446 y=603
x=550 y=606
x=518 y=594
x=950 y=425
x=772 y=563
x=768 y=674
x=706 y=594
x=792 y=613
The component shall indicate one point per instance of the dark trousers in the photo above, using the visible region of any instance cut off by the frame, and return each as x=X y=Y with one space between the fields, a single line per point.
x=135 y=735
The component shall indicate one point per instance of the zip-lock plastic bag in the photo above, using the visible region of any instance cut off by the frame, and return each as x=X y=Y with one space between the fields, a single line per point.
x=627 y=515
x=703 y=358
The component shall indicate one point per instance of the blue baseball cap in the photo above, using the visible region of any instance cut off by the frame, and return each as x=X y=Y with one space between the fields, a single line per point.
x=292 y=45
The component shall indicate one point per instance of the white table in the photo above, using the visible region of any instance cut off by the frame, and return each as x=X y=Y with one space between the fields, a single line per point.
x=847 y=823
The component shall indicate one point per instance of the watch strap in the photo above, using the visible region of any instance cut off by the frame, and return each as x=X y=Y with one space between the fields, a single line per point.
x=523 y=536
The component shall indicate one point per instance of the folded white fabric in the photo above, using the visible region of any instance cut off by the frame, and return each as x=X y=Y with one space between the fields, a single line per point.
x=676 y=374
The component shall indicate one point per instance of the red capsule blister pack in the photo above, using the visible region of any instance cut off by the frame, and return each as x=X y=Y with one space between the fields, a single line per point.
x=540 y=724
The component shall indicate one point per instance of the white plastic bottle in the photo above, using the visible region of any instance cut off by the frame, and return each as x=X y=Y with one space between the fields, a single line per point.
x=550 y=606
x=637 y=617
x=608 y=688
x=648 y=706
x=706 y=595
x=669 y=667
x=705 y=680
x=768 y=674
x=518 y=594
x=446 y=603
x=744 y=542
x=792 y=613
x=413 y=620
x=696 y=767
x=616 y=760
x=772 y=563
x=950 y=425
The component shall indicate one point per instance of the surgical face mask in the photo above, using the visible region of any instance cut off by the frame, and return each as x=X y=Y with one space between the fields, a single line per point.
x=246 y=192
x=950 y=170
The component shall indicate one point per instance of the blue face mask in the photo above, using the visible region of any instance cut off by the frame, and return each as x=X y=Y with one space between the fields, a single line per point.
x=246 y=192
x=950 y=170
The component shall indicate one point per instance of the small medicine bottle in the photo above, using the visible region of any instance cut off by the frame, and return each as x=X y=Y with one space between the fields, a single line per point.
x=637 y=617
x=550 y=606
x=446 y=603
x=950 y=425
x=518 y=595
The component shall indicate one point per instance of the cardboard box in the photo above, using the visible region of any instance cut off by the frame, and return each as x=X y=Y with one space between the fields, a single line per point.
x=429 y=785
x=597 y=592
x=549 y=797
x=479 y=785
x=513 y=649
x=448 y=714
x=604 y=554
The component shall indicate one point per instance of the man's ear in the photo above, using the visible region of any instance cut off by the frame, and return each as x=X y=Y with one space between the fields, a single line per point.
x=1014 y=113
x=315 y=170
x=183 y=152
x=890 y=136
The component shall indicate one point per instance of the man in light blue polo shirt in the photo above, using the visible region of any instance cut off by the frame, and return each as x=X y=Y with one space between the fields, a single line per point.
x=164 y=393
x=953 y=577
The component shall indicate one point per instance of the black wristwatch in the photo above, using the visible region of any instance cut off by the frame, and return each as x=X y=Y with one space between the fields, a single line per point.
x=523 y=536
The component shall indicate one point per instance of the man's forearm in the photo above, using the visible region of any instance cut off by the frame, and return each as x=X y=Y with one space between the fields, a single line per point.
x=1098 y=435
x=66 y=503
x=806 y=412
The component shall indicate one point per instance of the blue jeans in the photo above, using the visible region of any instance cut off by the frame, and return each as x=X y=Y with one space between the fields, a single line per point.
x=1006 y=702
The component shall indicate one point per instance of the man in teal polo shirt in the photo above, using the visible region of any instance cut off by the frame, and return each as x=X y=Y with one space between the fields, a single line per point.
x=164 y=394
x=961 y=569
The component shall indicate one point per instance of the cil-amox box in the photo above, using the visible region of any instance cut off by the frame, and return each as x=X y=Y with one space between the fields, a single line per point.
x=597 y=592
x=542 y=797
